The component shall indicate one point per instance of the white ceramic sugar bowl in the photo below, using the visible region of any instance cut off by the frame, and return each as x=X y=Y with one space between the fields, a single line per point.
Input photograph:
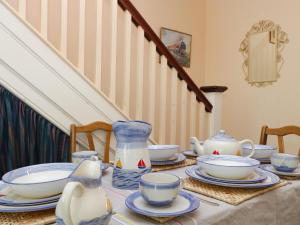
x=84 y=201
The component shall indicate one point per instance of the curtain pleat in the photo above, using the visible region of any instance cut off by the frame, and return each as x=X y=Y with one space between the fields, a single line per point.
x=26 y=138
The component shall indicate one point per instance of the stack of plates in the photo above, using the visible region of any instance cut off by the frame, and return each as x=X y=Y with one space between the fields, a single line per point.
x=270 y=168
x=258 y=179
x=34 y=188
x=177 y=158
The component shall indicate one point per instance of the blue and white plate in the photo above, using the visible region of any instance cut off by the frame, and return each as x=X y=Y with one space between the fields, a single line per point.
x=271 y=180
x=12 y=199
x=29 y=208
x=190 y=153
x=270 y=168
x=179 y=158
x=184 y=203
x=257 y=176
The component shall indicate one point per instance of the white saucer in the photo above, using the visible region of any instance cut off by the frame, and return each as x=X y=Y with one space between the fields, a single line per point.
x=29 y=208
x=270 y=168
x=180 y=158
x=184 y=203
x=190 y=153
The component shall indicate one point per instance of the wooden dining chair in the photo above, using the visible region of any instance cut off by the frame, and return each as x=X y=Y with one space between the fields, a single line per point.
x=280 y=133
x=88 y=130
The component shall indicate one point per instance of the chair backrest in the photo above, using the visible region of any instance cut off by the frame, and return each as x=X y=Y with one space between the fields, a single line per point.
x=280 y=132
x=88 y=130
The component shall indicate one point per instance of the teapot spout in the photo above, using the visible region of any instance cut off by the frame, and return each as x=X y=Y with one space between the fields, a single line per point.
x=196 y=146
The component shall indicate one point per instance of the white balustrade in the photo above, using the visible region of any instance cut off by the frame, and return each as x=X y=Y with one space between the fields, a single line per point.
x=193 y=108
x=139 y=73
x=183 y=120
x=22 y=8
x=81 y=39
x=152 y=86
x=98 y=66
x=173 y=112
x=127 y=62
x=64 y=27
x=113 y=51
x=44 y=18
x=163 y=99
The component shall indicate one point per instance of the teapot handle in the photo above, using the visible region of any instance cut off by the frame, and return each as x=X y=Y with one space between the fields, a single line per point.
x=71 y=189
x=252 y=145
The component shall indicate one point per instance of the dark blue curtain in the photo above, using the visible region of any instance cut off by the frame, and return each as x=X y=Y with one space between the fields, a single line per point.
x=26 y=138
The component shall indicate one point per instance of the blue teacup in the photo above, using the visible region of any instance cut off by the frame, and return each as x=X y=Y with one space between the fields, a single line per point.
x=159 y=189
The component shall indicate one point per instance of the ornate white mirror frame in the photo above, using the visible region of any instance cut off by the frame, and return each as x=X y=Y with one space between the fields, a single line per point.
x=261 y=50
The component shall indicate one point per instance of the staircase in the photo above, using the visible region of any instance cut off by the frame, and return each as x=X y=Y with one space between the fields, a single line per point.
x=108 y=65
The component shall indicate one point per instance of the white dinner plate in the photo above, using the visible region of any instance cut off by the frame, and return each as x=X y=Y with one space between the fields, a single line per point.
x=257 y=176
x=13 y=199
x=180 y=158
x=28 y=208
x=271 y=180
x=184 y=203
x=270 y=168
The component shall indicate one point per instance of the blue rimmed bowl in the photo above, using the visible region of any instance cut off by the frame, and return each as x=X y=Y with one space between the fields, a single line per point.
x=159 y=189
x=284 y=162
x=162 y=152
x=228 y=166
x=39 y=181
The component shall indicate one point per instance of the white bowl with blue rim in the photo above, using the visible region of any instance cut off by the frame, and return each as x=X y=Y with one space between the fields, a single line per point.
x=78 y=157
x=159 y=189
x=228 y=166
x=39 y=181
x=284 y=162
x=262 y=152
x=162 y=152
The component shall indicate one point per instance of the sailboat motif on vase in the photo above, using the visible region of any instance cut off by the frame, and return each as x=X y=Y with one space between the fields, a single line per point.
x=141 y=164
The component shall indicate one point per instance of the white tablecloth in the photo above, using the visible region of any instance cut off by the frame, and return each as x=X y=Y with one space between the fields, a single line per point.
x=278 y=207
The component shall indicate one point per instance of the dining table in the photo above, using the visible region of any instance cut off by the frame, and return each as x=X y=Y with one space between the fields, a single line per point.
x=277 y=207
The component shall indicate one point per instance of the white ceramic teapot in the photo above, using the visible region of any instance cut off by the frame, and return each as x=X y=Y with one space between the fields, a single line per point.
x=220 y=144
x=83 y=200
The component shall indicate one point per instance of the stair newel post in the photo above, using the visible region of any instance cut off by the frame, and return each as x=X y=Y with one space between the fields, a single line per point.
x=215 y=96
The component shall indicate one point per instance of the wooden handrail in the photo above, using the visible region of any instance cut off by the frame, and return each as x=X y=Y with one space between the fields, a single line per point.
x=150 y=35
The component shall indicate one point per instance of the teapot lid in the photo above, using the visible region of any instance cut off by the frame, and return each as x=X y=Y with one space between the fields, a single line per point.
x=222 y=136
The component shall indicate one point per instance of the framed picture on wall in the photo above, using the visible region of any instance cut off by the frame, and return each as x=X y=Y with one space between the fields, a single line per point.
x=179 y=45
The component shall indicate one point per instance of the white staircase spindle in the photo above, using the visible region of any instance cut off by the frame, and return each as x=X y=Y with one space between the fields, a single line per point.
x=140 y=73
x=22 y=8
x=113 y=51
x=44 y=18
x=183 y=138
x=81 y=36
x=127 y=62
x=193 y=108
x=98 y=72
x=163 y=99
x=173 y=118
x=64 y=27
x=152 y=81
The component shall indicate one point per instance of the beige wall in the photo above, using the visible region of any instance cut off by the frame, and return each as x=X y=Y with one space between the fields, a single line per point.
x=187 y=16
x=247 y=108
